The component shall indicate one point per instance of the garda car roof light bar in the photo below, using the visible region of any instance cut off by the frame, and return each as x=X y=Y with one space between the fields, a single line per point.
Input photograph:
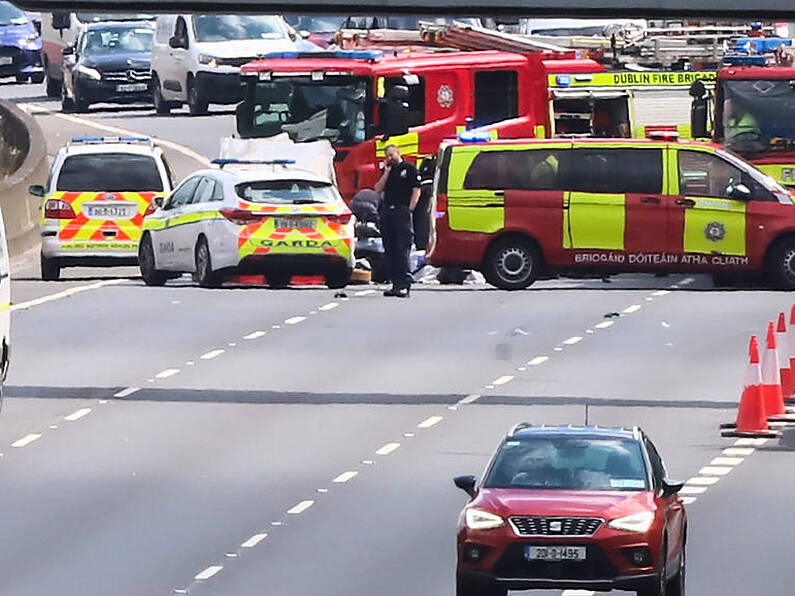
x=229 y=161
x=110 y=140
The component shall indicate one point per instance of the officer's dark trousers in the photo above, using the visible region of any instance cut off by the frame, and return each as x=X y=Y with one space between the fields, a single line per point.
x=396 y=231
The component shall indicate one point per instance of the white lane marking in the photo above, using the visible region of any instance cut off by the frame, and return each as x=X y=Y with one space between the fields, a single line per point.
x=127 y=392
x=254 y=540
x=53 y=426
x=726 y=461
x=329 y=306
x=666 y=325
x=693 y=490
x=578 y=593
x=557 y=349
x=169 y=372
x=649 y=299
x=573 y=340
x=387 y=449
x=661 y=293
x=502 y=380
x=689 y=500
x=738 y=451
x=538 y=360
x=300 y=508
x=190 y=363
x=232 y=344
x=365 y=293
x=604 y=324
x=67 y=293
x=429 y=422
x=368 y=462
x=78 y=414
x=322 y=491
x=714 y=470
x=26 y=440
x=703 y=480
x=209 y=572
x=294 y=320
x=345 y=476
x=466 y=400
x=254 y=335
x=630 y=309
x=212 y=354
x=115 y=130
x=746 y=442
x=589 y=331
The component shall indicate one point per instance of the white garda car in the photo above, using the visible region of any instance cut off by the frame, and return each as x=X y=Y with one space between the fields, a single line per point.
x=250 y=217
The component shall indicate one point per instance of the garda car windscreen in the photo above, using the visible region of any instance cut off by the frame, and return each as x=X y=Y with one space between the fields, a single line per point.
x=109 y=172
x=287 y=192
x=758 y=114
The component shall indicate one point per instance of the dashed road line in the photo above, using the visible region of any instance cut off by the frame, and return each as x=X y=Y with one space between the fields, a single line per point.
x=703 y=480
x=661 y=293
x=169 y=372
x=294 y=320
x=692 y=490
x=469 y=399
x=364 y=293
x=127 y=392
x=429 y=422
x=715 y=470
x=538 y=360
x=329 y=306
x=212 y=354
x=738 y=451
x=254 y=540
x=67 y=293
x=726 y=461
x=503 y=380
x=26 y=440
x=604 y=324
x=630 y=309
x=77 y=415
x=387 y=449
x=254 y=335
x=345 y=477
x=208 y=573
x=573 y=340
x=300 y=507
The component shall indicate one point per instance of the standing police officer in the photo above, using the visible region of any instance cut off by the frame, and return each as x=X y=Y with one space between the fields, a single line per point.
x=400 y=184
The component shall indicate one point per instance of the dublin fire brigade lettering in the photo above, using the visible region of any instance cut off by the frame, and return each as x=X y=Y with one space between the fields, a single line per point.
x=660 y=78
x=296 y=243
x=660 y=258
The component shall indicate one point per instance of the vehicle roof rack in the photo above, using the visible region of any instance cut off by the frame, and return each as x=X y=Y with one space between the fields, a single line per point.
x=230 y=161
x=131 y=140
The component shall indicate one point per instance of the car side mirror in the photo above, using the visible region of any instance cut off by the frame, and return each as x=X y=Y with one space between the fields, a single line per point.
x=466 y=484
x=740 y=192
x=176 y=43
x=671 y=487
x=37 y=190
x=159 y=202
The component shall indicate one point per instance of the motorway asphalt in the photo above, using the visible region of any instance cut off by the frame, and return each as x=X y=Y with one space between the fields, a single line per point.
x=298 y=443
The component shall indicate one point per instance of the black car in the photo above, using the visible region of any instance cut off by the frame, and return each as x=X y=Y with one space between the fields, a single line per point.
x=110 y=62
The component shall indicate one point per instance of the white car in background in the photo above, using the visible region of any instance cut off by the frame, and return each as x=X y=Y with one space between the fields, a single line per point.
x=197 y=58
x=250 y=217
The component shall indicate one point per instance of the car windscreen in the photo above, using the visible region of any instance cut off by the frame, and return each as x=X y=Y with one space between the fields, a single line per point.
x=315 y=23
x=97 y=17
x=110 y=172
x=287 y=192
x=117 y=40
x=11 y=15
x=214 y=27
x=569 y=463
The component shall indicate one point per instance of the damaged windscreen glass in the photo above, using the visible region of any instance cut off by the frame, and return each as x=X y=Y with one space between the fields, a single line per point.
x=307 y=111
x=759 y=115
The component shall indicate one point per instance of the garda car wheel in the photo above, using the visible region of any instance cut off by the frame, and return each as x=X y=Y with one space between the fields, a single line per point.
x=50 y=269
x=781 y=265
x=338 y=278
x=146 y=262
x=205 y=275
x=511 y=263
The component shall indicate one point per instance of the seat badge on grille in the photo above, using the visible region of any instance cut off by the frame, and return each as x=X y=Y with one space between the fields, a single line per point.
x=555 y=526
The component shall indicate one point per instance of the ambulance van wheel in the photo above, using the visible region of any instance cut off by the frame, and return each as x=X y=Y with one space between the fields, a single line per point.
x=205 y=275
x=781 y=264
x=512 y=263
x=50 y=269
x=146 y=262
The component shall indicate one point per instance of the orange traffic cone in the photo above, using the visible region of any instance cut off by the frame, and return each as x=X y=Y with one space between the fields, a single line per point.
x=751 y=416
x=771 y=380
x=791 y=344
x=782 y=344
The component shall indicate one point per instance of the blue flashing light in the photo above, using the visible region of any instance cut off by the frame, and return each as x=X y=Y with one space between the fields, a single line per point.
x=744 y=60
x=563 y=80
x=341 y=55
x=87 y=139
x=474 y=136
x=228 y=161
x=124 y=139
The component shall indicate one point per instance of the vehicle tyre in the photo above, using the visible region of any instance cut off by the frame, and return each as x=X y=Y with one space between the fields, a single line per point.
x=146 y=262
x=469 y=588
x=197 y=105
x=676 y=587
x=512 y=263
x=67 y=103
x=50 y=269
x=53 y=85
x=162 y=107
x=781 y=264
x=338 y=278
x=658 y=586
x=205 y=275
x=278 y=279
x=37 y=79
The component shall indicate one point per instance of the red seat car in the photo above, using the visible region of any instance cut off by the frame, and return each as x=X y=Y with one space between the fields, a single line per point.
x=563 y=507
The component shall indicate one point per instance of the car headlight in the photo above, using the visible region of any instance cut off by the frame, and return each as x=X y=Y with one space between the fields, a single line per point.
x=477 y=519
x=638 y=522
x=210 y=61
x=87 y=71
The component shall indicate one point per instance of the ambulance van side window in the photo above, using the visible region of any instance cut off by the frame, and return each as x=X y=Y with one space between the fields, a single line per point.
x=703 y=174
x=496 y=96
x=535 y=169
x=613 y=171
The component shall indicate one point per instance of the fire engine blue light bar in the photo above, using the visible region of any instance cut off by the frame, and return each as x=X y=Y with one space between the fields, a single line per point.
x=474 y=136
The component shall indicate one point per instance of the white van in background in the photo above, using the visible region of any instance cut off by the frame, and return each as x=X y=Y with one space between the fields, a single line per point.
x=60 y=29
x=197 y=58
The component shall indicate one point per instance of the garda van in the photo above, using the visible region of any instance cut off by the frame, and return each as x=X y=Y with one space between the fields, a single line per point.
x=516 y=208
x=60 y=29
